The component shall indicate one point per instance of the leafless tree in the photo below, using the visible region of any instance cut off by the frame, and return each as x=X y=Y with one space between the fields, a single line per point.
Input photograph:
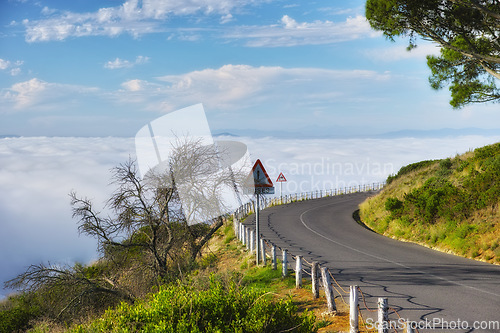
x=65 y=290
x=160 y=222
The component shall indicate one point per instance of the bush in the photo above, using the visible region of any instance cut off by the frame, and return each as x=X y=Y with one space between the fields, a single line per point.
x=17 y=313
x=393 y=204
x=444 y=168
x=223 y=307
x=445 y=164
x=409 y=168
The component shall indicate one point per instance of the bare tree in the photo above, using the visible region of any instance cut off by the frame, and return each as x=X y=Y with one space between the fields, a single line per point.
x=175 y=208
x=158 y=223
x=65 y=290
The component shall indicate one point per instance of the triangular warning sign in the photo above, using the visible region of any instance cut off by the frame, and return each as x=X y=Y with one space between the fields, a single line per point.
x=258 y=181
x=258 y=177
x=281 y=178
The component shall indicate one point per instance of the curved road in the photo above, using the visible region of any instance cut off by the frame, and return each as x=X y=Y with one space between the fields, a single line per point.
x=434 y=289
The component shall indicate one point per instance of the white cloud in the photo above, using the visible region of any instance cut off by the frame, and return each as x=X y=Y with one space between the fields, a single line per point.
x=230 y=87
x=14 y=68
x=235 y=87
x=292 y=33
x=134 y=85
x=4 y=64
x=133 y=17
x=120 y=63
x=36 y=94
x=36 y=176
x=399 y=52
x=25 y=93
x=48 y=11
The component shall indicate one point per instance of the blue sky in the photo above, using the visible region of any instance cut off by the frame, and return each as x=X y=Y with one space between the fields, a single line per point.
x=105 y=68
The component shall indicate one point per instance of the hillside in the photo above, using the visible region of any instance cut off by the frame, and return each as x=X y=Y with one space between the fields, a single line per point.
x=450 y=205
x=224 y=289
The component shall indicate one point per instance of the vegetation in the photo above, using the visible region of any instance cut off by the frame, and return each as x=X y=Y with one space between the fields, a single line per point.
x=450 y=204
x=149 y=238
x=466 y=30
x=207 y=298
x=223 y=306
x=156 y=273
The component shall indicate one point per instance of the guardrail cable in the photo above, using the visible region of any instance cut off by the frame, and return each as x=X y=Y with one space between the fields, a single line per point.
x=333 y=278
x=361 y=316
x=364 y=300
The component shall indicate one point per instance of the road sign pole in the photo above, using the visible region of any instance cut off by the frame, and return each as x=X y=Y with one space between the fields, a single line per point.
x=257 y=234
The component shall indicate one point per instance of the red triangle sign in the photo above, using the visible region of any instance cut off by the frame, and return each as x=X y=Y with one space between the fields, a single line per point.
x=281 y=178
x=260 y=176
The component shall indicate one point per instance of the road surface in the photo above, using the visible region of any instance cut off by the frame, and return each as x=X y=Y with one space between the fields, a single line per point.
x=433 y=289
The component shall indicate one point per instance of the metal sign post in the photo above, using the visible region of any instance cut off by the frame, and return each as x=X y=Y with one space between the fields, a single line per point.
x=259 y=183
x=257 y=233
x=281 y=178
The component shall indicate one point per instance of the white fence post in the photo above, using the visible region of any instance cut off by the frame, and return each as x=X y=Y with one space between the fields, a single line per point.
x=327 y=286
x=263 y=251
x=353 y=310
x=235 y=225
x=383 y=315
x=251 y=241
x=298 y=272
x=315 y=280
x=285 y=263
x=273 y=255
x=409 y=327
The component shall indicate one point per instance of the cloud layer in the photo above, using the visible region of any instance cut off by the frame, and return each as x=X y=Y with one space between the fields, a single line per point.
x=37 y=173
x=36 y=176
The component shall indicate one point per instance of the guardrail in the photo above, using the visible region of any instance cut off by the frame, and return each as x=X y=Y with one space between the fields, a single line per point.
x=244 y=210
x=320 y=276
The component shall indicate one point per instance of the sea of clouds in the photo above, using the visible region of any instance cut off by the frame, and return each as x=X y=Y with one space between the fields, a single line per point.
x=38 y=173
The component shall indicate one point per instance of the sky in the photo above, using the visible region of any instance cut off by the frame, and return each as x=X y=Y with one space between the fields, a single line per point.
x=273 y=67
x=308 y=86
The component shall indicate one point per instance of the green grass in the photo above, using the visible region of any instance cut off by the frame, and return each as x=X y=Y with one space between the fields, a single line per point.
x=450 y=204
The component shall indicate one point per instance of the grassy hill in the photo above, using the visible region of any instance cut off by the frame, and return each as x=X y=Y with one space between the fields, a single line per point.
x=450 y=204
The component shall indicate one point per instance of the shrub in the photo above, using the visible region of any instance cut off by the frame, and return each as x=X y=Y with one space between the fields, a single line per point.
x=17 y=314
x=223 y=307
x=393 y=204
x=444 y=168
x=409 y=168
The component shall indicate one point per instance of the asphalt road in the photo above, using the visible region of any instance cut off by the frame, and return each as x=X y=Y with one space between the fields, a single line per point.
x=434 y=289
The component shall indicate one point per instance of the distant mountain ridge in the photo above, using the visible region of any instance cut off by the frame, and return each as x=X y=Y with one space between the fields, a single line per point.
x=306 y=134
x=439 y=133
x=311 y=133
